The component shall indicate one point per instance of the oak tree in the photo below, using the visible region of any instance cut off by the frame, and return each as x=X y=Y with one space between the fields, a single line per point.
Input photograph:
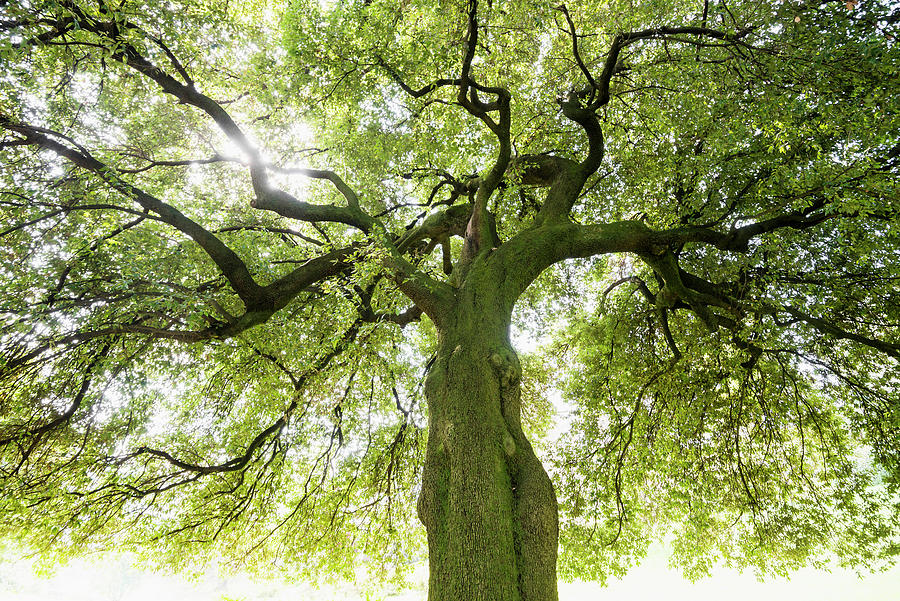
x=263 y=266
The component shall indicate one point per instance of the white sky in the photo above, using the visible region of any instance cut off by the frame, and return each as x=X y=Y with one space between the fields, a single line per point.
x=118 y=580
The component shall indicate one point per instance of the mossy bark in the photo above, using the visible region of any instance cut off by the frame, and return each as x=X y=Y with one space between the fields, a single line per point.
x=487 y=503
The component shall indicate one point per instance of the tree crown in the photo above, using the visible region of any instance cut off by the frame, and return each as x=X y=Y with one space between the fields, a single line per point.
x=231 y=238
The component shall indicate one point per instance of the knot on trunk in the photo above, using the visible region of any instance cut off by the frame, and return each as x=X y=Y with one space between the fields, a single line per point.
x=506 y=364
x=509 y=445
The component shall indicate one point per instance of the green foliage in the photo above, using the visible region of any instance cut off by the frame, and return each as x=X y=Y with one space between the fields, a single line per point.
x=138 y=411
x=753 y=465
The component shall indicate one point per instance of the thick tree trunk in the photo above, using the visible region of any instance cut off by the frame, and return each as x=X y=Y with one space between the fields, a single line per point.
x=487 y=503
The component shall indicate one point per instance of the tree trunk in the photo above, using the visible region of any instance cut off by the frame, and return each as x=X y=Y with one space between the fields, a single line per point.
x=487 y=503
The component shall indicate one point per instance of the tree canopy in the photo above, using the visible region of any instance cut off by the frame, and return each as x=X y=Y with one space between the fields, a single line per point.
x=237 y=239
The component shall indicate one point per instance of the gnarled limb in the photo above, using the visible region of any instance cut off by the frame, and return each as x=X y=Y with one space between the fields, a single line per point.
x=232 y=267
x=267 y=197
x=600 y=85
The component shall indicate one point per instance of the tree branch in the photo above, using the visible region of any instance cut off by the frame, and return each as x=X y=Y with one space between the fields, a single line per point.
x=622 y=40
x=423 y=91
x=825 y=327
x=584 y=70
x=239 y=462
x=36 y=433
x=268 y=198
x=225 y=259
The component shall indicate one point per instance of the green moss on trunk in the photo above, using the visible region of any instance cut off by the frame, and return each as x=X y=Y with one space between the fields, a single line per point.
x=487 y=503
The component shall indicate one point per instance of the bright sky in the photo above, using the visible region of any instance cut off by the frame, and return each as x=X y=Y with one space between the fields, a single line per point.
x=118 y=580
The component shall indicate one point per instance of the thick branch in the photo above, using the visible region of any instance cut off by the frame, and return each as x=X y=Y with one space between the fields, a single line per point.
x=563 y=192
x=601 y=83
x=826 y=327
x=527 y=254
x=675 y=289
x=225 y=259
x=738 y=239
x=438 y=226
x=282 y=203
x=268 y=198
x=261 y=301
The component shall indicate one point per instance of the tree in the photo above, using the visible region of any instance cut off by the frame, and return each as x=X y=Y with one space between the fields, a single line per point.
x=208 y=349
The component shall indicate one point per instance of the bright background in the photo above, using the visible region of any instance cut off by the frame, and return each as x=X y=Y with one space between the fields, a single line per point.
x=116 y=579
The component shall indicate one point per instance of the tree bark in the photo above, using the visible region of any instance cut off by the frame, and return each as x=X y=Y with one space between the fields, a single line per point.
x=487 y=504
